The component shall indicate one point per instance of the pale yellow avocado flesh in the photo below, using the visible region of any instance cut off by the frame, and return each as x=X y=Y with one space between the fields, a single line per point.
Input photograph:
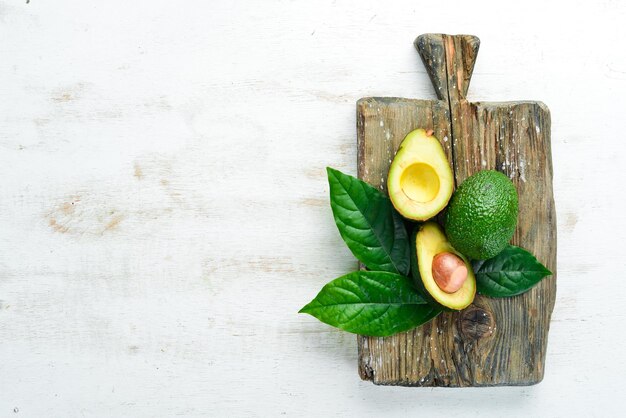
x=420 y=183
x=420 y=180
x=429 y=242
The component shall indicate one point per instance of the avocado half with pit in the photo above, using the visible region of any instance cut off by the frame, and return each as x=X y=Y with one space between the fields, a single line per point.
x=420 y=180
x=442 y=274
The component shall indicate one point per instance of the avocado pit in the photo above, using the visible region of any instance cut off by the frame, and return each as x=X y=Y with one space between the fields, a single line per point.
x=449 y=271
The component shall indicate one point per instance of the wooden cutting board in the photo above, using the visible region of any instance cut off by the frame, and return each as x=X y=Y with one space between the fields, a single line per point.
x=493 y=341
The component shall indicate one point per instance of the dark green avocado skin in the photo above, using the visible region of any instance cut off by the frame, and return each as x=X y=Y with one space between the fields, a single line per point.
x=482 y=215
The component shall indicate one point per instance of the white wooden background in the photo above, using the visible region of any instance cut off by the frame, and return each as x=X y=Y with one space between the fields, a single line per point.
x=163 y=201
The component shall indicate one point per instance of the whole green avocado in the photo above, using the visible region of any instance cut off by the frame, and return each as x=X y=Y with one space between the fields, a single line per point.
x=482 y=215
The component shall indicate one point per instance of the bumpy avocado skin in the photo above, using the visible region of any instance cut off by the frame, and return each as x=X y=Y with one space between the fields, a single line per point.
x=482 y=215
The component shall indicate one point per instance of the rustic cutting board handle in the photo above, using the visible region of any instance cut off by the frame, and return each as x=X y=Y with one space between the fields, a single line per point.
x=449 y=60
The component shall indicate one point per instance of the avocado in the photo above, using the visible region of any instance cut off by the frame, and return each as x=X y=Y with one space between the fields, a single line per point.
x=482 y=215
x=428 y=241
x=420 y=180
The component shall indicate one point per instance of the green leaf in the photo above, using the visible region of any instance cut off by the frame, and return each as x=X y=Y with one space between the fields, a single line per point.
x=373 y=303
x=510 y=273
x=369 y=224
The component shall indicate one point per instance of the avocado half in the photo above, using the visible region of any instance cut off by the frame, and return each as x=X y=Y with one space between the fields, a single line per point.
x=420 y=180
x=427 y=241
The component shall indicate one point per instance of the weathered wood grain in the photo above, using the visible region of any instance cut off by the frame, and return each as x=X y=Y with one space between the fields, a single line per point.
x=494 y=341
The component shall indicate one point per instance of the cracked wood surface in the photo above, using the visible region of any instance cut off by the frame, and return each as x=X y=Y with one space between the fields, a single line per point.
x=494 y=341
